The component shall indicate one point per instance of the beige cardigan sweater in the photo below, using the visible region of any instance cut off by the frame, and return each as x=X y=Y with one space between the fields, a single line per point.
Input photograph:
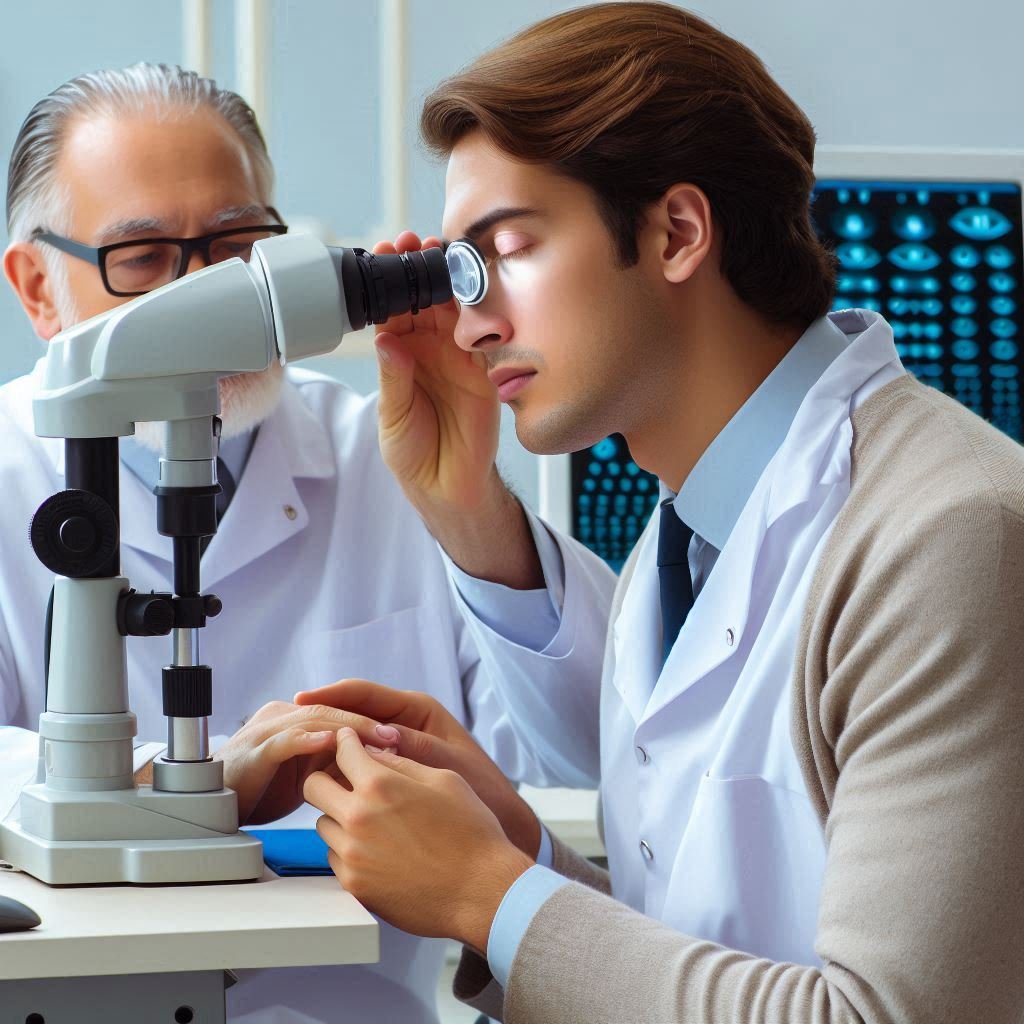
x=908 y=719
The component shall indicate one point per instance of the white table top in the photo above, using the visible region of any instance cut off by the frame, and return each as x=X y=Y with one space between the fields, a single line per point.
x=272 y=922
x=570 y=814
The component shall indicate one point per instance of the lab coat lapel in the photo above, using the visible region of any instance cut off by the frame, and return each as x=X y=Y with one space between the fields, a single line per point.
x=703 y=643
x=267 y=508
x=636 y=646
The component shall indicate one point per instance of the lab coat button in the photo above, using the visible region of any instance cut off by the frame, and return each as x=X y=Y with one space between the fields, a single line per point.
x=642 y=757
x=730 y=637
x=289 y=511
x=646 y=851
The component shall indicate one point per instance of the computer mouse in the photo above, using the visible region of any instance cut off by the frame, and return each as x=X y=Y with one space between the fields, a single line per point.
x=15 y=916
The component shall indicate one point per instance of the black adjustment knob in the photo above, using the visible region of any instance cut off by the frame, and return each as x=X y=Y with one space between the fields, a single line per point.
x=188 y=691
x=212 y=605
x=74 y=533
x=145 y=614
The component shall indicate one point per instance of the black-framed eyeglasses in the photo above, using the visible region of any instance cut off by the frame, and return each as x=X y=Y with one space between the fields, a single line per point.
x=139 y=266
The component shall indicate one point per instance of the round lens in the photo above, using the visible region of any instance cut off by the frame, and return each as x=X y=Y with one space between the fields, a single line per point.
x=468 y=272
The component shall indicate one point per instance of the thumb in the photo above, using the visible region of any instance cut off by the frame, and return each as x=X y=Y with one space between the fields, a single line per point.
x=396 y=366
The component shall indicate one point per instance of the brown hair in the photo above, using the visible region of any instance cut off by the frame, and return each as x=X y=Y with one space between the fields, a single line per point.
x=632 y=98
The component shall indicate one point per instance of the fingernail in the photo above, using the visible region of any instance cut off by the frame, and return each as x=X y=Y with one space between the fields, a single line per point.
x=389 y=734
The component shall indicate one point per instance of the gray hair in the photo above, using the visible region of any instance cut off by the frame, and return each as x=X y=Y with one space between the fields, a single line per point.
x=34 y=197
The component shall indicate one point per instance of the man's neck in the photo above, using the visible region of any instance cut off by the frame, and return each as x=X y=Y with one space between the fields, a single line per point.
x=721 y=364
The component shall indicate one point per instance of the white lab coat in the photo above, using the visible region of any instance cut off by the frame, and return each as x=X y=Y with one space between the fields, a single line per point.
x=325 y=571
x=697 y=758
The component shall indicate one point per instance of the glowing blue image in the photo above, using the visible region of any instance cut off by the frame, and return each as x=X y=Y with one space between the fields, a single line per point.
x=998 y=257
x=980 y=223
x=914 y=225
x=963 y=304
x=1003 y=328
x=963 y=282
x=965 y=349
x=855 y=225
x=603 y=450
x=1004 y=371
x=1002 y=305
x=931 y=307
x=1001 y=282
x=1003 y=349
x=966 y=369
x=965 y=257
x=962 y=327
x=857 y=256
x=858 y=283
x=912 y=256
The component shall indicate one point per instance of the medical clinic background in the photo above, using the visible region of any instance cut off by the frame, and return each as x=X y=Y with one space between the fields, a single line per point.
x=320 y=74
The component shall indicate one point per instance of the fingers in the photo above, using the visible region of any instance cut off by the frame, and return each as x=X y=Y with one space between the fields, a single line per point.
x=396 y=366
x=279 y=718
x=297 y=742
x=323 y=792
x=383 y=703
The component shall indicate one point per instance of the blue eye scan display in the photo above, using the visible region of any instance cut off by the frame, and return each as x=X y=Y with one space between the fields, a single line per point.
x=941 y=261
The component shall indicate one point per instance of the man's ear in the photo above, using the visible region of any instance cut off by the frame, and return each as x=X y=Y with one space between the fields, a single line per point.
x=683 y=226
x=26 y=269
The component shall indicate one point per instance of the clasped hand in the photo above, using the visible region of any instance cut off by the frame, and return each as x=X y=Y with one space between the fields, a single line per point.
x=429 y=838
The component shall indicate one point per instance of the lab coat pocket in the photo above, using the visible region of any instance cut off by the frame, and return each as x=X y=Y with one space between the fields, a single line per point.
x=410 y=649
x=749 y=869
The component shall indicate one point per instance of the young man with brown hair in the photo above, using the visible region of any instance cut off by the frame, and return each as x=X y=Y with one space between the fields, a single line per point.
x=811 y=710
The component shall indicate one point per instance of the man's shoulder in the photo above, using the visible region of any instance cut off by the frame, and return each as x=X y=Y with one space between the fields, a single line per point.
x=920 y=450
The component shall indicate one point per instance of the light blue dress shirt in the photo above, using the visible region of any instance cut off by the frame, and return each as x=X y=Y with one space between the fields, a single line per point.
x=710 y=502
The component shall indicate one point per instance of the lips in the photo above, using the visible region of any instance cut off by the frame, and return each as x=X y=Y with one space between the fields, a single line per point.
x=507 y=373
x=509 y=380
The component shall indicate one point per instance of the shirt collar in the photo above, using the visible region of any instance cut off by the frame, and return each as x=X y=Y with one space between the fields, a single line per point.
x=714 y=494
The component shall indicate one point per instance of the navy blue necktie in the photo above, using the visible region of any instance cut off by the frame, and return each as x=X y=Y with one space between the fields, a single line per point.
x=673 y=575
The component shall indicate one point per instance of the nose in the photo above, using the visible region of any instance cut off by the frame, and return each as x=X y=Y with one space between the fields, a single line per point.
x=480 y=330
x=196 y=261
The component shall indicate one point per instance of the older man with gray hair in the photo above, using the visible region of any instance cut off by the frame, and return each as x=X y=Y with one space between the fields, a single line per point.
x=326 y=561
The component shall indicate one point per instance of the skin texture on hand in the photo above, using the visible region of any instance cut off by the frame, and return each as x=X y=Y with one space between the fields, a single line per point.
x=430 y=735
x=439 y=421
x=414 y=844
x=269 y=759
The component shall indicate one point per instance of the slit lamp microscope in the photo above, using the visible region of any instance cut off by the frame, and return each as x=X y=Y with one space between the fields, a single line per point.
x=159 y=358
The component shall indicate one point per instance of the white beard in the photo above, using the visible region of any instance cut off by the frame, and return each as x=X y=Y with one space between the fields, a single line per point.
x=246 y=400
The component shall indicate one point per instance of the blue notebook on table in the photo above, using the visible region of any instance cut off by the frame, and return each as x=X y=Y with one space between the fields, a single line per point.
x=293 y=851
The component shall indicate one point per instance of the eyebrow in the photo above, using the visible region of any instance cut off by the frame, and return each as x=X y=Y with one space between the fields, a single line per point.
x=478 y=227
x=131 y=226
x=138 y=225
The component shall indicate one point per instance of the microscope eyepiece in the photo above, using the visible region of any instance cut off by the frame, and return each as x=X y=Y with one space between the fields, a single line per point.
x=377 y=287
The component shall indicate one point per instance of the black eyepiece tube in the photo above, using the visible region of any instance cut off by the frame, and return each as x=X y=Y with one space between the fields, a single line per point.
x=377 y=287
